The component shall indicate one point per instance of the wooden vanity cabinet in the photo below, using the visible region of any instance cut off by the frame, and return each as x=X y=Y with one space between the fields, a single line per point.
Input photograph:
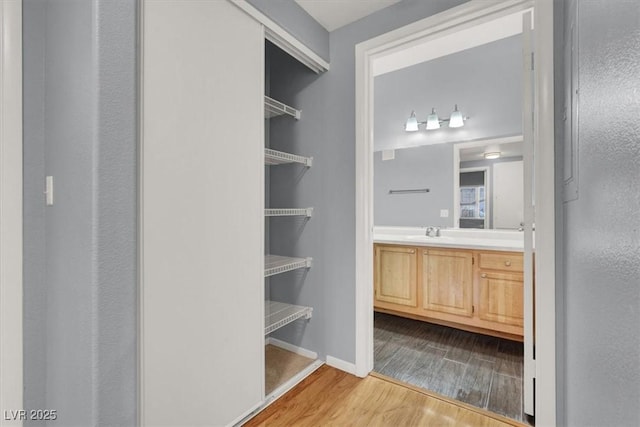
x=395 y=277
x=501 y=288
x=476 y=290
x=447 y=282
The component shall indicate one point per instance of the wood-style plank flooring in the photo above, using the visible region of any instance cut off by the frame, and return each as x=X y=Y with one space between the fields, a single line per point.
x=479 y=370
x=330 y=397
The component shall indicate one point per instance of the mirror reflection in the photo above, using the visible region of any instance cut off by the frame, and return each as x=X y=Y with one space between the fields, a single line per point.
x=473 y=169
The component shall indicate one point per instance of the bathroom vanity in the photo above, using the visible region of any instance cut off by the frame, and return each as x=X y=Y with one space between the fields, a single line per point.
x=467 y=279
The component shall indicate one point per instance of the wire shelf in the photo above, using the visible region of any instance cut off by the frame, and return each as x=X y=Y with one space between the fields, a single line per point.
x=276 y=264
x=278 y=314
x=289 y=212
x=273 y=157
x=273 y=108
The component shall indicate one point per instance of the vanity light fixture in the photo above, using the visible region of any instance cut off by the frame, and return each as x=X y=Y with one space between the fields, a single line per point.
x=456 y=120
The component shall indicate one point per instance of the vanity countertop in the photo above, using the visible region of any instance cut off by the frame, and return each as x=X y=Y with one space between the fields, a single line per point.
x=496 y=240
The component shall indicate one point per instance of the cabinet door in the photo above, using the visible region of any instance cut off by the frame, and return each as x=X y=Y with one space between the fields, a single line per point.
x=447 y=281
x=202 y=199
x=501 y=298
x=396 y=276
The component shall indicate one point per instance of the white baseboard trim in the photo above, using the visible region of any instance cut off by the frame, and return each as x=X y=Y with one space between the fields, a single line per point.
x=292 y=348
x=341 y=364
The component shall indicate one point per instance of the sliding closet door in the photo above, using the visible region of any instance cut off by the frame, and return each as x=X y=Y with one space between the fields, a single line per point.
x=201 y=194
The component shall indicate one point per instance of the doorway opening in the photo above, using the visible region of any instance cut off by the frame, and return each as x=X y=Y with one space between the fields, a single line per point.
x=382 y=55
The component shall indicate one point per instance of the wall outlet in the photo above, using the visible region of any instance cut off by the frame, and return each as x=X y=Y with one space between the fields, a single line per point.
x=444 y=213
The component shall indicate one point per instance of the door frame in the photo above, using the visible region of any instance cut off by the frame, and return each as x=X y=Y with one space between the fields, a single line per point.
x=11 y=352
x=457 y=18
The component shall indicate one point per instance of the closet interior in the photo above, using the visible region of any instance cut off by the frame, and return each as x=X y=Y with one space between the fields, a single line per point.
x=290 y=300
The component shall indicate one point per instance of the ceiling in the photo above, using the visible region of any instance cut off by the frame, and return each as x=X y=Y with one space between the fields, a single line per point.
x=333 y=14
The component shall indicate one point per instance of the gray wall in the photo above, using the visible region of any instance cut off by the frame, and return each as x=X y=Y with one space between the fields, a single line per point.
x=429 y=166
x=290 y=16
x=34 y=279
x=80 y=107
x=601 y=234
x=485 y=82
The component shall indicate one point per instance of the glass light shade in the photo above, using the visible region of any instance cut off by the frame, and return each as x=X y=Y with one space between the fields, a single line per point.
x=433 y=122
x=412 y=123
x=492 y=155
x=456 y=120
x=492 y=152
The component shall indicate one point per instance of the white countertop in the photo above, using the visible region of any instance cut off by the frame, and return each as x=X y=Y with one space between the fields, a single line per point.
x=496 y=240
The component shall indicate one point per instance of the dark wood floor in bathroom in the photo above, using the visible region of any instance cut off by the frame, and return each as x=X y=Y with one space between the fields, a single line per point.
x=482 y=371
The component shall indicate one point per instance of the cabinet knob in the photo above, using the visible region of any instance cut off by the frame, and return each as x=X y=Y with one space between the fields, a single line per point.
x=507 y=263
x=483 y=275
x=412 y=251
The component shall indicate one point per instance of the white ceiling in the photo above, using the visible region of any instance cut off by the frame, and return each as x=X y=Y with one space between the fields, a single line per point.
x=333 y=14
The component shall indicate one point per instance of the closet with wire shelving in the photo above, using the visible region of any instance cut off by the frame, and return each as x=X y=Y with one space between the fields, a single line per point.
x=230 y=296
x=289 y=268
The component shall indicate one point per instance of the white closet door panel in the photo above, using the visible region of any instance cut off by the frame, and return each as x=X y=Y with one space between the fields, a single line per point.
x=508 y=210
x=202 y=180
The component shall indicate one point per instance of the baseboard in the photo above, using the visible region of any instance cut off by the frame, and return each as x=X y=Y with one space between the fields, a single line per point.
x=292 y=348
x=347 y=367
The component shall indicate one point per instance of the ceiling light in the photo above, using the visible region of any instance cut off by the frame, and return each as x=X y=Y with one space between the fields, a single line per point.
x=433 y=122
x=412 y=123
x=456 y=120
x=492 y=152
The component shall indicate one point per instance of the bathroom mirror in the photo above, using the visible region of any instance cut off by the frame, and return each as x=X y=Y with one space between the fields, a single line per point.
x=489 y=185
x=466 y=190
x=406 y=160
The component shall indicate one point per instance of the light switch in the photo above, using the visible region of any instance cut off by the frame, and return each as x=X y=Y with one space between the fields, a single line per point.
x=444 y=213
x=48 y=190
x=388 y=154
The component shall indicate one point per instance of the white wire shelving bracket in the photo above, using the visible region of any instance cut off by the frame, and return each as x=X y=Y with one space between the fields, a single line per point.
x=273 y=108
x=273 y=157
x=277 y=314
x=307 y=212
x=276 y=264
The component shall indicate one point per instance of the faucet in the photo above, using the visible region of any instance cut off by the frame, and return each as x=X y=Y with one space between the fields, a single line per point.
x=432 y=232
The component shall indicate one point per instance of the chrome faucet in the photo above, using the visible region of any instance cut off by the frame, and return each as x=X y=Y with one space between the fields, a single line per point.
x=432 y=232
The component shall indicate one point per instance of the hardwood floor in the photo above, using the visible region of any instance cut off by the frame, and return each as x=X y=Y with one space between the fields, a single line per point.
x=330 y=397
x=482 y=371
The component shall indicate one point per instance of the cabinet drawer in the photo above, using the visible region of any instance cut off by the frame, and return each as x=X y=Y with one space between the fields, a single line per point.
x=501 y=261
